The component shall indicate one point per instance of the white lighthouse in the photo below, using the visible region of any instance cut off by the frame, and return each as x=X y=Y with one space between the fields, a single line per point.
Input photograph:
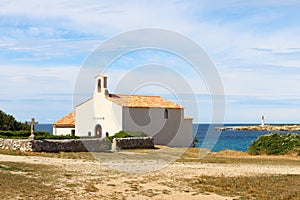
x=262 y=120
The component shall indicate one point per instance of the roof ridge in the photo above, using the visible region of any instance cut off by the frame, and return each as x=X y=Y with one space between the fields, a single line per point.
x=142 y=101
x=138 y=95
x=68 y=119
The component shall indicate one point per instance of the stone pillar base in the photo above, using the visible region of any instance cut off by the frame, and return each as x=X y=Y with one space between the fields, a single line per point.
x=31 y=137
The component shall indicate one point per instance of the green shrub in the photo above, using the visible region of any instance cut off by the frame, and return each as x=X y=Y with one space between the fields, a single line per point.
x=195 y=141
x=57 y=137
x=126 y=134
x=39 y=135
x=14 y=134
x=136 y=134
x=276 y=144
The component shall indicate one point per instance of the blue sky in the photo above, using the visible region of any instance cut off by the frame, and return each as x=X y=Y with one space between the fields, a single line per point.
x=255 y=46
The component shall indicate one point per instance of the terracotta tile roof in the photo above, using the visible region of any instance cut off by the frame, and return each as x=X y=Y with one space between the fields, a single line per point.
x=66 y=121
x=142 y=101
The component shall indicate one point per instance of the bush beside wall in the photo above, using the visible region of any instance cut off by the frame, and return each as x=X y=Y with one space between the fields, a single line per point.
x=127 y=134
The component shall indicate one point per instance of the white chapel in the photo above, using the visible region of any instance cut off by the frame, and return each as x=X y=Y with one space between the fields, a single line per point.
x=106 y=114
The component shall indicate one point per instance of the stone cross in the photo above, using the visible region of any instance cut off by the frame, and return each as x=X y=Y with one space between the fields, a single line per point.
x=32 y=123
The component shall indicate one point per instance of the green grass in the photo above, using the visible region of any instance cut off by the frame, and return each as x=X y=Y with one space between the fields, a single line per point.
x=276 y=144
x=39 y=135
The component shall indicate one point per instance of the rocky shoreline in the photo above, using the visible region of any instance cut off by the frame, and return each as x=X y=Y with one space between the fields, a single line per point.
x=279 y=127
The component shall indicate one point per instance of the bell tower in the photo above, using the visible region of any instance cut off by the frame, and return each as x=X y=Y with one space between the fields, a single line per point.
x=101 y=85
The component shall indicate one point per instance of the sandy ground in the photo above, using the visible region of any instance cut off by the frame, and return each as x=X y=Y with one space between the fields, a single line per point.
x=149 y=182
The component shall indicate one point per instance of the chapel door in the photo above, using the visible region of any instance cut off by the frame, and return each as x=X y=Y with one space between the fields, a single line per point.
x=98 y=131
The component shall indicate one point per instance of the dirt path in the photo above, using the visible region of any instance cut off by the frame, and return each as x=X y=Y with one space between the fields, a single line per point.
x=209 y=169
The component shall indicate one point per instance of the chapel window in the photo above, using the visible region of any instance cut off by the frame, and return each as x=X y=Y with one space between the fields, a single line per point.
x=99 y=85
x=166 y=114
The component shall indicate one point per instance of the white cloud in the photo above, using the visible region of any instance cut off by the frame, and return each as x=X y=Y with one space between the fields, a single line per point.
x=106 y=17
x=44 y=92
x=33 y=81
x=254 y=55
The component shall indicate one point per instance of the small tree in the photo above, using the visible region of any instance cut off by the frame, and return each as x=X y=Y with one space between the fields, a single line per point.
x=9 y=123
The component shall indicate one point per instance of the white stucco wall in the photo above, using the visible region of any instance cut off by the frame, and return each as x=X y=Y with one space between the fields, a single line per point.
x=174 y=131
x=62 y=131
x=85 y=121
x=185 y=136
x=108 y=114
x=148 y=120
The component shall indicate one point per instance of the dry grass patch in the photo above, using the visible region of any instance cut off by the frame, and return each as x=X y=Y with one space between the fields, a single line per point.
x=231 y=156
x=186 y=156
x=66 y=155
x=242 y=187
x=22 y=180
x=256 y=187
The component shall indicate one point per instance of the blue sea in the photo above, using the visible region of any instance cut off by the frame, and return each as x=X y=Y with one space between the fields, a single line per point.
x=210 y=138
x=229 y=139
x=44 y=127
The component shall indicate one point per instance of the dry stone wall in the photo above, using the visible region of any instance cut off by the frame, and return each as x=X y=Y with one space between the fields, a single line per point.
x=76 y=145
x=132 y=143
x=15 y=144
x=71 y=145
